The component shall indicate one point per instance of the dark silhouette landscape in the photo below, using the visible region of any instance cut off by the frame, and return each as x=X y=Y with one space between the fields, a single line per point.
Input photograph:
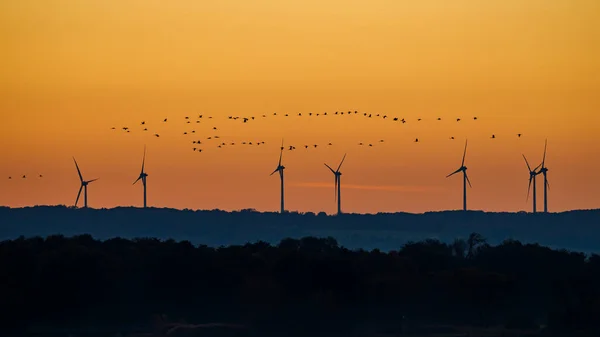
x=573 y=230
x=112 y=272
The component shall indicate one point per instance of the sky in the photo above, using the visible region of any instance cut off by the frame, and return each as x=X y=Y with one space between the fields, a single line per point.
x=73 y=69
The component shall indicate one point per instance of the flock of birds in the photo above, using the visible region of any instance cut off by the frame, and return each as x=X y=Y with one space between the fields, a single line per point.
x=199 y=144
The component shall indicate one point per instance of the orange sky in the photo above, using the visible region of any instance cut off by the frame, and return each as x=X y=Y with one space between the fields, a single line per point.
x=72 y=69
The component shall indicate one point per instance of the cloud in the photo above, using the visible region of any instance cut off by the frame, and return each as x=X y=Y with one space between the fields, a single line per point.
x=390 y=188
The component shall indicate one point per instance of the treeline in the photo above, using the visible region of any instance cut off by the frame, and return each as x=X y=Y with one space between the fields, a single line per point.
x=309 y=284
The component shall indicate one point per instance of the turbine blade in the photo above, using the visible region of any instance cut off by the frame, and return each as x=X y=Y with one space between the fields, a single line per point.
x=140 y=177
x=529 y=188
x=526 y=162
x=453 y=173
x=547 y=183
x=144 y=159
x=277 y=169
x=544 y=158
x=332 y=171
x=466 y=176
x=335 y=188
x=78 y=171
x=78 y=195
x=281 y=152
x=338 y=169
x=464 y=154
x=91 y=181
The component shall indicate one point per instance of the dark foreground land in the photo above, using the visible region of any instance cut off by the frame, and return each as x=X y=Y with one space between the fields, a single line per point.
x=306 y=287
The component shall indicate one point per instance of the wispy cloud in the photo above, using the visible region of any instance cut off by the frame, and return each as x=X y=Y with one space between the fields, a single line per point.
x=391 y=188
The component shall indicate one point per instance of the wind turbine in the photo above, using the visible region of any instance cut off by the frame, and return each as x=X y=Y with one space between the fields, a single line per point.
x=84 y=185
x=280 y=169
x=337 y=189
x=544 y=171
x=143 y=176
x=466 y=180
x=532 y=177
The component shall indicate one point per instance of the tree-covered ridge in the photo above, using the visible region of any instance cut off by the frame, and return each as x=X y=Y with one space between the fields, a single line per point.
x=302 y=285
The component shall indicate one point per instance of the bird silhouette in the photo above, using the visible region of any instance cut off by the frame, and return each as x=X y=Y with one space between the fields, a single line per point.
x=315 y=146
x=9 y=177
x=186 y=117
x=493 y=136
x=416 y=140
x=164 y=120
x=452 y=137
x=41 y=176
x=418 y=119
x=145 y=129
x=156 y=135
x=112 y=128
x=474 y=118
x=439 y=119
x=519 y=135
x=214 y=127
x=143 y=123
x=458 y=119
x=24 y=177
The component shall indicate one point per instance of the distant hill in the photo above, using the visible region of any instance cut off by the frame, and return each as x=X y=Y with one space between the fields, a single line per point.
x=573 y=230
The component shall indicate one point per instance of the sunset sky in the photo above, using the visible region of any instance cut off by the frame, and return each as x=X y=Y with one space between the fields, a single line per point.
x=72 y=69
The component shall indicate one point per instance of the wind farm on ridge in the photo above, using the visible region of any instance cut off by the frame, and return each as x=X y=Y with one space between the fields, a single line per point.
x=215 y=141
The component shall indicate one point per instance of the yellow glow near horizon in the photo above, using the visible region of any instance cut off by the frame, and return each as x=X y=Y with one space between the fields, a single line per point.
x=73 y=69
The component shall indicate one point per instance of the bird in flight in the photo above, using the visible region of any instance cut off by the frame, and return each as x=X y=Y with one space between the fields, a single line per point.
x=143 y=122
x=24 y=177
x=474 y=118
x=458 y=119
x=452 y=137
x=156 y=135
x=9 y=177
x=493 y=136
x=41 y=176
x=416 y=140
x=165 y=120
x=519 y=135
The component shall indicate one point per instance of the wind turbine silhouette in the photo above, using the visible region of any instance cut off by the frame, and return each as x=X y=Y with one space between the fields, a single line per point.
x=84 y=185
x=544 y=171
x=280 y=169
x=337 y=189
x=532 y=177
x=466 y=180
x=143 y=176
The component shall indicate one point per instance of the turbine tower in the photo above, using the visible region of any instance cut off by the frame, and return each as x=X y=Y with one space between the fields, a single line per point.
x=544 y=171
x=280 y=169
x=84 y=185
x=532 y=177
x=466 y=180
x=337 y=189
x=143 y=176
